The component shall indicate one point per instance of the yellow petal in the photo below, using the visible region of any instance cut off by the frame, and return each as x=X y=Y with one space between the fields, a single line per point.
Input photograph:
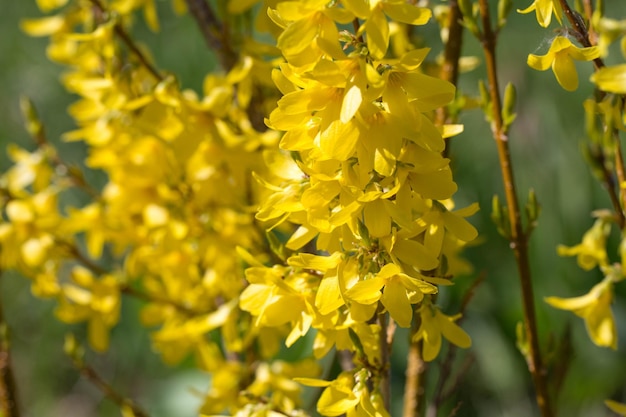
x=459 y=227
x=539 y=62
x=611 y=79
x=297 y=37
x=407 y=13
x=453 y=332
x=338 y=141
x=301 y=237
x=328 y=297
x=565 y=71
x=572 y=304
x=351 y=103
x=377 y=221
x=367 y=291
x=616 y=407
x=396 y=301
x=377 y=34
x=414 y=253
x=44 y=26
x=319 y=263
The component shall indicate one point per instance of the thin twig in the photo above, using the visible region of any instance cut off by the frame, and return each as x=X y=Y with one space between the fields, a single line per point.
x=385 y=354
x=121 y=32
x=614 y=190
x=9 y=404
x=621 y=176
x=108 y=391
x=451 y=57
x=579 y=26
x=518 y=239
x=445 y=368
x=415 y=369
x=588 y=10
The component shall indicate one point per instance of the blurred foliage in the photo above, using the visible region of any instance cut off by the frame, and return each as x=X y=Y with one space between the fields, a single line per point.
x=545 y=146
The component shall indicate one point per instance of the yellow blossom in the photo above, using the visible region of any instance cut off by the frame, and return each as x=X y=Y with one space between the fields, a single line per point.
x=592 y=250
x=434 y=325
x=544 y=10
x=595 y=308
x=560 y=58
x=611 y=79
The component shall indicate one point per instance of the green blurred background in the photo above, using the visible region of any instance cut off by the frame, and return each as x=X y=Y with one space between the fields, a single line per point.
x=545 y=142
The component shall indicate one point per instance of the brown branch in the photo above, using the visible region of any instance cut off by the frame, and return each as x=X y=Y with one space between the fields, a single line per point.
x=614 y=190
x=579 y=26
x=451 y=57
x=415 y=372
x=518 y=238
x=452 y=51
x=621 y=176
x=213 y=31
x=9 y=404
x=588 y=10
x=130 y=44
x=385 y=354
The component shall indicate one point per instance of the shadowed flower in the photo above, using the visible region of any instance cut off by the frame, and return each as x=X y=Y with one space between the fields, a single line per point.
x=595 y=308
x=592 y=250
x=560 y=58
x=616 y=407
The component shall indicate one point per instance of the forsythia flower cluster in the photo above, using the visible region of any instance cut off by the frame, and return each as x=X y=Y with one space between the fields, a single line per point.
x=361 y=177
x=355 y=198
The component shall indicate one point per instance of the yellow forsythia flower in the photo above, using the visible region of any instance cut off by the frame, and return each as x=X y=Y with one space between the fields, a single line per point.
x=560 y=58
x=592 y=250
x=611 y=79
x=595 y=308
x=544 y=10
x=435 y=324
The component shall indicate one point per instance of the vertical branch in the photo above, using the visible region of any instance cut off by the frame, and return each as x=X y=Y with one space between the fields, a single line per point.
x=621 y=176
x=588 y=10
x=414 y=385
x=9 y=405
x=518 y=239
x=451 y=56
x=386 y=333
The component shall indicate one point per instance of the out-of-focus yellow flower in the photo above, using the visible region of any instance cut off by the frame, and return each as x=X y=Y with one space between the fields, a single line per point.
x=611 y=79
x=592 y=250
x=94 y=300
x=544 y=10
x=616 y=407
x=435 y=324
x=560 y=58
x=595 y=308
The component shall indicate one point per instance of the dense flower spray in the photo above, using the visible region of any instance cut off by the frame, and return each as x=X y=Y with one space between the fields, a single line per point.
x=346 y=177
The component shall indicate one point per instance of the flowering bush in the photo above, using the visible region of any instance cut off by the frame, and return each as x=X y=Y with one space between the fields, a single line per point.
x=305 y=195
